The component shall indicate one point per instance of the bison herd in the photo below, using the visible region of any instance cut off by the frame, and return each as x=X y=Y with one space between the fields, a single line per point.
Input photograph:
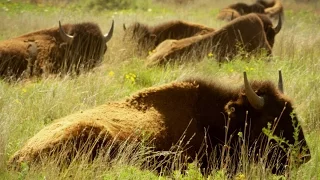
x=201 y=111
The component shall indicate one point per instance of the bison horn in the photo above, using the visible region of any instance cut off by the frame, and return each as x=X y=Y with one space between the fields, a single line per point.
x=279 y=26
x=108 y=36
x=256 y=101
x=65 y=37
x=124 y=27
x=280 y=82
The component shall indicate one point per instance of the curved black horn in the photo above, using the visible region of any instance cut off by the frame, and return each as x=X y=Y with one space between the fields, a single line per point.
x=279 y=26
x=108 y=36
x=65 y=37
x=280 y=82
x=256 y=101
x=124 y=26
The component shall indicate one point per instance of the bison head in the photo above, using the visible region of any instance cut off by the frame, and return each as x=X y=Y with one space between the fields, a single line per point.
x=141 y=35
x=269 y=30
x=84 y=45
x=266 y=109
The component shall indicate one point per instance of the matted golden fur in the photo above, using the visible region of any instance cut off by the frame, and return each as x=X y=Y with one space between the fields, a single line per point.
x=150 y=112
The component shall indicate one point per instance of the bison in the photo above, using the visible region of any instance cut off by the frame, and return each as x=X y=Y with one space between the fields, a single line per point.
x=273 y=8
x=191 y=113
x=148 y=37
x=247 y=34
x=63 y=49
x=239 y=9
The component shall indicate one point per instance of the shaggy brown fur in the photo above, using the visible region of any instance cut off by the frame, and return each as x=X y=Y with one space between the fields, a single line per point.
x=239 y=9
x=249 y=33
x=148 y=37
x=192 y=108
x=44 y=51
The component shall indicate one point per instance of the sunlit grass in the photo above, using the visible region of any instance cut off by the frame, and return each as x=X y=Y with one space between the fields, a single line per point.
x=27 y=106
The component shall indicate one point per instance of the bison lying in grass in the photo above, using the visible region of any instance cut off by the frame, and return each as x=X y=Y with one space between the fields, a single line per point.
x=272 y=8
x=239 y=9
x=148 y=37
x=63 y=49
x=201 y=115
x=249 y=34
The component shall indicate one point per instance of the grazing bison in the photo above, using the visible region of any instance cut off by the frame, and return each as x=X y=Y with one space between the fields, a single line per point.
x=148 y=37
x=63 y=49
x=239 y=9
x=188 y=113
x=249 y=33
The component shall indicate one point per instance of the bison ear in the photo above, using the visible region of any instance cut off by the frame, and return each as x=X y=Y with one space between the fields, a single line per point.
x=65 y=37
x=108 y=36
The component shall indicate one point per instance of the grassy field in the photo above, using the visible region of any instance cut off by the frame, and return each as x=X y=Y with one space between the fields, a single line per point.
x=27 y=106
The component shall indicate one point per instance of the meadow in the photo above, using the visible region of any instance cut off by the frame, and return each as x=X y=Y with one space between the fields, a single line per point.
x=29 y=105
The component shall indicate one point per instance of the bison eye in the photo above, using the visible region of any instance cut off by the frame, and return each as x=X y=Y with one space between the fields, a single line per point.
x=232 y=109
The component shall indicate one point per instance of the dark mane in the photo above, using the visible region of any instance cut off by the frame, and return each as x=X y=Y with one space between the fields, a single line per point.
x=266 y=4
x=138 y=29
x=84 y=29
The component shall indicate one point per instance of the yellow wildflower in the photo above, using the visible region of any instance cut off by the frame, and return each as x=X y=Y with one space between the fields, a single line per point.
x=249 y=69
x=210 y=54
x=151 y=52
x=240 y=177
x=131 y=77
x=111 y=74
x=17 y=101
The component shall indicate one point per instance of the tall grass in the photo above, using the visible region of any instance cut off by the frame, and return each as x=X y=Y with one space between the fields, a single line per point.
x=27 y=106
